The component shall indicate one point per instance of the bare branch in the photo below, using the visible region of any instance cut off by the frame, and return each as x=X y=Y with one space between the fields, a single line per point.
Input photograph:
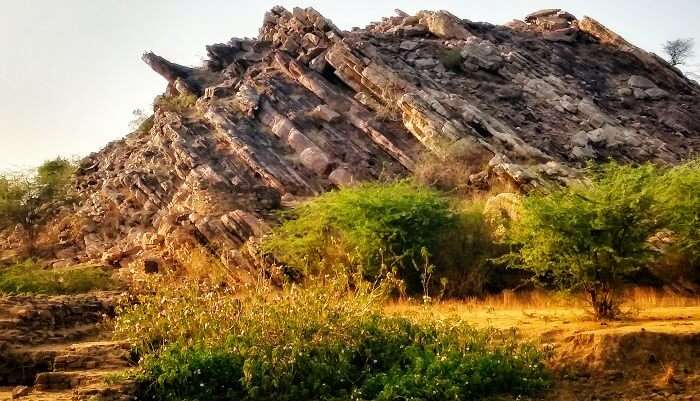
x=679 y=50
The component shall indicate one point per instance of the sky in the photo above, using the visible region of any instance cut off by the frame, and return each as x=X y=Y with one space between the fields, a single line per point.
x=71 y=73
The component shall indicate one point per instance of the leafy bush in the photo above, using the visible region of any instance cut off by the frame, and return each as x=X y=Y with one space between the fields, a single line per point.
x=328 y=341
x=369 y=228
x=590 y=236
x=678 y=201
x=27 y=277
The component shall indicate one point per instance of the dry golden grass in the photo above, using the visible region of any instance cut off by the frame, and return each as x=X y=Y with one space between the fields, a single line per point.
x=549 y=317
x=640 y=298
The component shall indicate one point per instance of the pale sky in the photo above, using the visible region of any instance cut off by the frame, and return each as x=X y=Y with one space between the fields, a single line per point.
x=71 y=74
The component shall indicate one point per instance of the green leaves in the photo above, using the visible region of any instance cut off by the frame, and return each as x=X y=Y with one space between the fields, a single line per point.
x=678 y=204
x=589 y=236
x=325 y=343
x=370 y=228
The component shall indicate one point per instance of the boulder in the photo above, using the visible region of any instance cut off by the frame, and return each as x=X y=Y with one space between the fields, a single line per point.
x=637 y=81
x=444 y=25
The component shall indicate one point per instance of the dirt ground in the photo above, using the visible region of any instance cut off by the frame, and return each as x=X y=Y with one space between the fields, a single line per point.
x=651 y=353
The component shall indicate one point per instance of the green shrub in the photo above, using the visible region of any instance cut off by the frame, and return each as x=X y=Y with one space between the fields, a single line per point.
x=590 y=236
x=328 y=341
x=370 y=228
x=678 y=201
x=177 y=104
x=27 y=277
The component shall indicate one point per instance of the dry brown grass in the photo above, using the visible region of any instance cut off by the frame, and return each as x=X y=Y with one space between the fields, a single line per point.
x=636 y=298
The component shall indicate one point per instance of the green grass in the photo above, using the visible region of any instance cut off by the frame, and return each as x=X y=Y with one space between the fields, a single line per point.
x=329 y=340
x=29 y=278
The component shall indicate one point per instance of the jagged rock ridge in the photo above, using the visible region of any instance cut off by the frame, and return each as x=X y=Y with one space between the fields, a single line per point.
x=306 y=107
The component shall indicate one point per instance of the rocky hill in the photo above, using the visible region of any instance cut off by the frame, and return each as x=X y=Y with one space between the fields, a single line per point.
x=306 y=107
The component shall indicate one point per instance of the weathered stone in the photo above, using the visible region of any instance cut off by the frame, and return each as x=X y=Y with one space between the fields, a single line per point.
x=482 y=53
x=568 y=35
x=444 y=25
x=426 y=62
x=342 y=177
x=541 y=13
x=325 y=113
x=409 y=45
x=315 y=159
x=656 y=93
x=640 y=82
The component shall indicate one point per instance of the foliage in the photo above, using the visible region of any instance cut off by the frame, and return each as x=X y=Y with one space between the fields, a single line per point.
x=589 y=236
x=678 y=201
x=452 y=60
x=27 y=277
x=54 y=177
x=177 y=104
x=679 y=50
x=14 y=193
x=29 y=200
x=327 y=341
x=141 y=122
x=370 y=228
x=467 y=256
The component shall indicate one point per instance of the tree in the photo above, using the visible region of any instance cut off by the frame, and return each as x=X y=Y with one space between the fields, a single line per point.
x=29 y=200
x=678 y=199
x=679 y=50
x=589 y=237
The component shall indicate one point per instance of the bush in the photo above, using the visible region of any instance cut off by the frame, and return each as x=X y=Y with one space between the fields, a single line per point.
x=589 y=236
x=177 y=104
x=678 y=201
x=370 y=228
x=324 y=342
x=27 y=277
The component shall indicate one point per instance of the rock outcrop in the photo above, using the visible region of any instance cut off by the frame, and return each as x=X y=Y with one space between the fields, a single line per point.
x=306 y=108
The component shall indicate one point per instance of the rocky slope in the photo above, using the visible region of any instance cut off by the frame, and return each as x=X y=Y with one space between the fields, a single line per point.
x=306 y=107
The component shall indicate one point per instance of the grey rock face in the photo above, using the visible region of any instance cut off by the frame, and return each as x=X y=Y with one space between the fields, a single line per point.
x=306 y=108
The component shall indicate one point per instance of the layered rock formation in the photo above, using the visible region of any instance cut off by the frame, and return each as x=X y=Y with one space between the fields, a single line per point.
x=306 y=108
